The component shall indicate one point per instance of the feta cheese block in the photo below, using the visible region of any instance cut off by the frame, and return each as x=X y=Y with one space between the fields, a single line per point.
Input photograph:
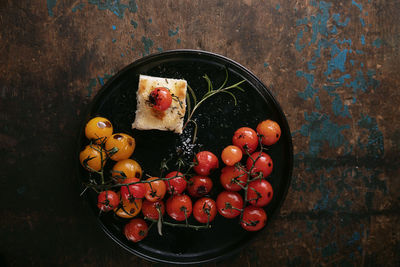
x=148 y=118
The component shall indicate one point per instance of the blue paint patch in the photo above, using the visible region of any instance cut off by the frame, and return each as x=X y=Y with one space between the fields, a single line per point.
x=375 y=145
x=317 y=103
x=113 y=40
x=89 y=88
x=310 y=90
x=133 y=36
x=336 y=18
x=114 y=27
x=352 y=62
x=362 y=39
x=134 y=24
x=362 y=64
x=366 y=13
x=334 y=30
x=298 y=46
x=377 y=43
x=115 y=6
x=354 y=238
x=362 y=22
x=50 y=5
x=266 y=64
x=122 y=54
x=359 y=52
x=78 y=7
x=150 y=20
x=357 y=5
x=178 y=41
x=159 y=49
x=345 y=41
x=173 y=33
x=339 y=109
x=303 y=21
x=104 y=78
x=147 y=43
x=278 y=6
x=337 y=63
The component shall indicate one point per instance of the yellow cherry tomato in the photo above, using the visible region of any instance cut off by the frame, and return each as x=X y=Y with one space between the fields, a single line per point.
x=98 y=129
x=128 y=167
x=93 y=155
x=124 y=143
x=129 y=209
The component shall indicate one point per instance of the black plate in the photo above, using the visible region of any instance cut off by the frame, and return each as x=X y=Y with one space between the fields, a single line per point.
x=217 y=118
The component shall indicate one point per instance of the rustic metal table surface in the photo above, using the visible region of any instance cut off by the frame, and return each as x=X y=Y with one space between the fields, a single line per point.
x=332 y=65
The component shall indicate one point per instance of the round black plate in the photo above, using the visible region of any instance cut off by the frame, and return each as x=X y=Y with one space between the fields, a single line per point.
x=217 y=118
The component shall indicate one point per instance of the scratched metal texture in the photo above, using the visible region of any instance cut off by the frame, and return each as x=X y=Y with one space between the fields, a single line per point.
x=332 y=65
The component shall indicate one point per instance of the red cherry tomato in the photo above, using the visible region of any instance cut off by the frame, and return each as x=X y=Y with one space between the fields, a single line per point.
x=149 y=209
x=269 y=131
x=229 y=204
x=204 y=210
x=261 y=162
x=245 y=138
x=155 y=190
x=179 y=207
x=129 y=192
x=107 y=200
x=176 y=185
x=231 y=155
x=136 y=230
x=254 y=218
x=199 y=186
x=160 y=98
x=231 y=176
x=206 y=162
x=259 y=193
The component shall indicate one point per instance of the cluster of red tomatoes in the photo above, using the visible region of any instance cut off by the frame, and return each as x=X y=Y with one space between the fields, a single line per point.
x=149 y=196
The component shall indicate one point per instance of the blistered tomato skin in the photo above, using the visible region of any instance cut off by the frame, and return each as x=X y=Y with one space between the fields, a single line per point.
x=246 y=139
x=123 y=142
x=231 y=155
x=176 y=185
x=160 y=98
x=199 y=186
x=205 y=161
x=98 y=129
x=260 y=193
x=107 y=200
x=136 y=230
x=254 y=218
x=149 y=209
x=93 y=155
x=231 y=178
x=127 y=168
x=204 y=210
x=229 y=204
x=155 y=190
x=263 y=164
x=179 y=207
x=129 y=208
x=269 y=131
x=131 y=191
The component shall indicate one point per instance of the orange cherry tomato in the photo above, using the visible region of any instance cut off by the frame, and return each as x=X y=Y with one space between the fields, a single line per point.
x=155 y=190
x=129 y=208
x=126 y=168
x=270 y=132
x=92 y=156
x=231 y=155
x=124 y=143
x=98 y=129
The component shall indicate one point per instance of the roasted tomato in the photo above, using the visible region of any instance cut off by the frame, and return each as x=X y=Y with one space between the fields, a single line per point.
x=107 y=200
x=229 y=204
x=92 y=156
x=175 y=185
x=199 y=186
x=254 y=218
x=259 y=162
x=149 y=209
x=233 y=178
x=123 y=143
x=129 y=208
x=127 y=168
x=160 y=98
x=269 y=131
x=136 y=230
x=98 y=129
x=155 y=190
x=205 y=163
x=179 y=207
x=246 y=139
x=231 y=155
x=259 y=193
x=130 y=191
x=204 y=210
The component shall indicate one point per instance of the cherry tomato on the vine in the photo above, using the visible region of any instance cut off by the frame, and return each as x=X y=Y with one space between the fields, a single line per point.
x=149 y=209
x=254 y=218
x=199 y=186
x=155 y=190
x=270 y=132
x=229 y=204
x=259 y=193
x=246 y=139
x=136 y=230
x=129 y=208
x=232 y=177
x=98 y=129
x=261 y=162
x=127 y=168
x=160 y=98
x=204 y=210
x=92 y=156
x=175 y=185
x=205 y=161
x=123 y=142
x=128 y=192
x=179 y=207
x=231 y=155
x=107 y=200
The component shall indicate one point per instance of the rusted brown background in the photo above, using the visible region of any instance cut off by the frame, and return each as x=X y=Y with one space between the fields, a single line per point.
x=333 y=66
